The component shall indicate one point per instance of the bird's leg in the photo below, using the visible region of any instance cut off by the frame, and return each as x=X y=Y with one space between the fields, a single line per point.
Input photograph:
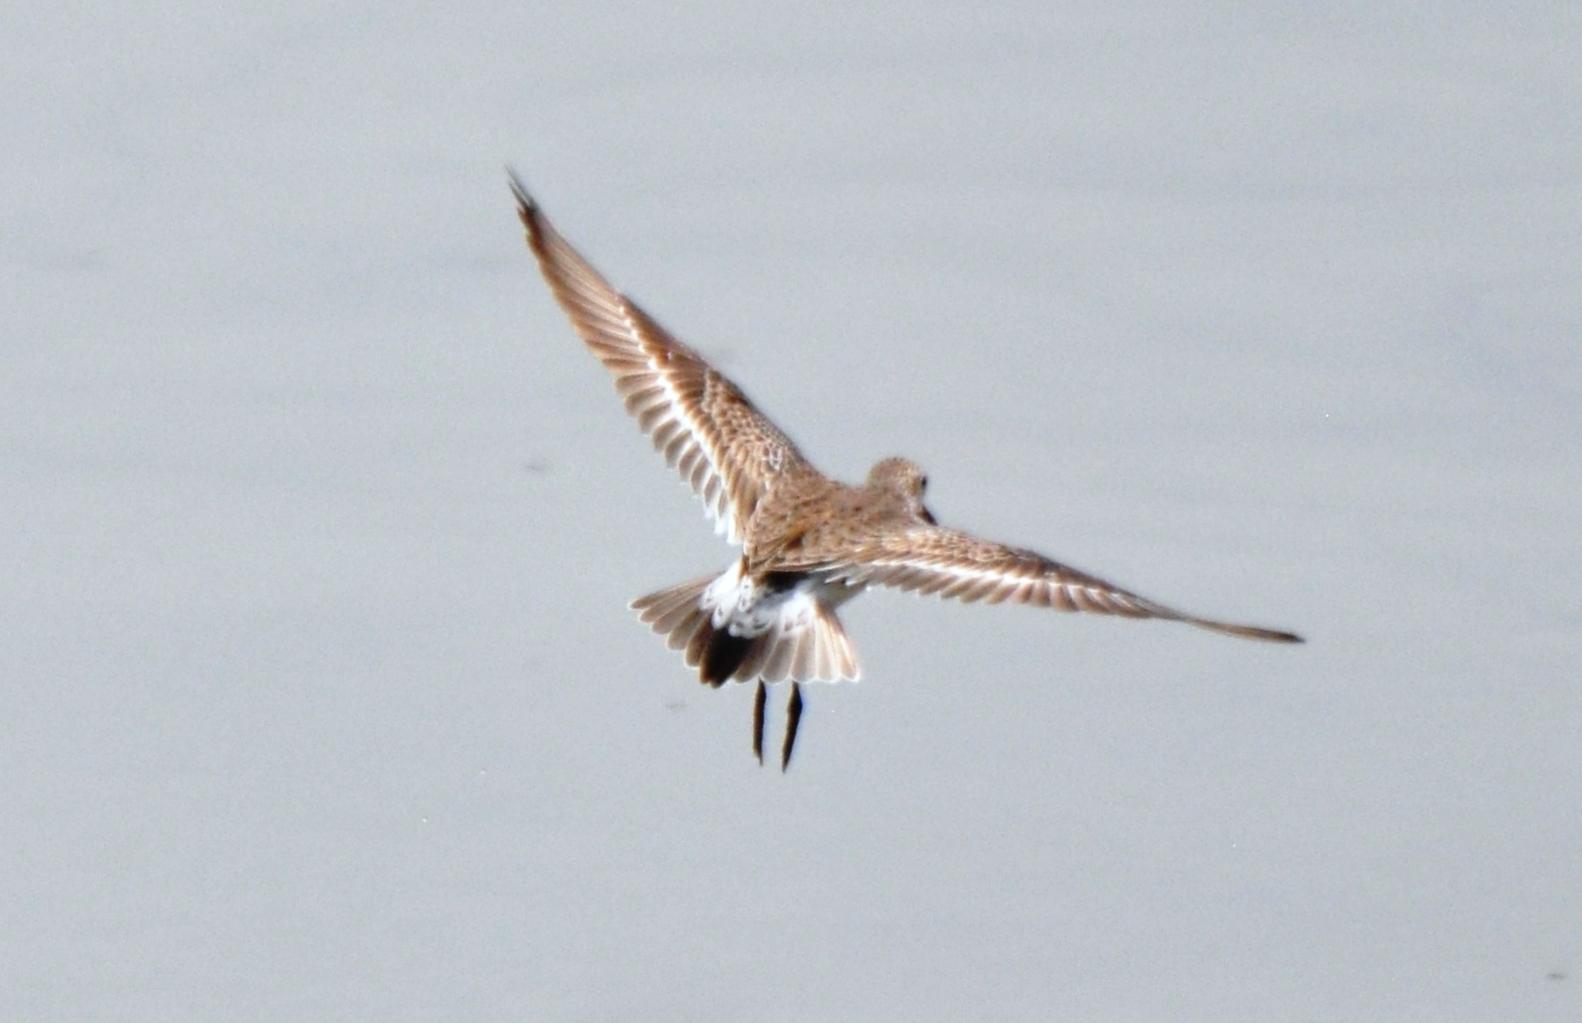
x=758 y=724
x=793 y=718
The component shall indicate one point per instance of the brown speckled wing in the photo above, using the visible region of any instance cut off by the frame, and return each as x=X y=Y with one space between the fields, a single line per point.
x=700 y=421
x=951 y=563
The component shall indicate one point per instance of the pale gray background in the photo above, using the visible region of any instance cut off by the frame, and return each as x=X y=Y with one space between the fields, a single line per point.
x=321 y=700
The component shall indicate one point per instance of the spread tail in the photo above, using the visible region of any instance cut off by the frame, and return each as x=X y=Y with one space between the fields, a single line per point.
x=730 y=627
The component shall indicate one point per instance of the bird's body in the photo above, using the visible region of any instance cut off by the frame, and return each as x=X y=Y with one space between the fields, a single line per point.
x=808 y=542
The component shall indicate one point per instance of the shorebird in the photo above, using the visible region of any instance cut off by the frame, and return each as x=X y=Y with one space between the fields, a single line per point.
x=808 y=543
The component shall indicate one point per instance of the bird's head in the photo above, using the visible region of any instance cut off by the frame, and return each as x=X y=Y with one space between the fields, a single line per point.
x=903 y=481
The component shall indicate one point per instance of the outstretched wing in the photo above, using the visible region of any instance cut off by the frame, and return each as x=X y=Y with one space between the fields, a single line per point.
x=700 y=421
x=950 y=563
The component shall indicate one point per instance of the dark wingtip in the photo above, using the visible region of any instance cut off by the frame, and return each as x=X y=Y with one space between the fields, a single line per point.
x=1246 y=631
x=524 y=199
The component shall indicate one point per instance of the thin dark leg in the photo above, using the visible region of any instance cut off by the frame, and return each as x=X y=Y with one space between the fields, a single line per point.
x=793 y=718
x=758 y=725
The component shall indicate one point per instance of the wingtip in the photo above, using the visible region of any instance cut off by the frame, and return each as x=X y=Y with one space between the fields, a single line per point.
x=524 y=199
x=1271 y=635
x=1247 y=631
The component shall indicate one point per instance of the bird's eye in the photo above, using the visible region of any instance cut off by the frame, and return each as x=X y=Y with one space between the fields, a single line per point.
x=922 y=484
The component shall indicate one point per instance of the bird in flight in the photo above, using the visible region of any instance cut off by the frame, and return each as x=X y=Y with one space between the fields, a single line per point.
x=808 y=543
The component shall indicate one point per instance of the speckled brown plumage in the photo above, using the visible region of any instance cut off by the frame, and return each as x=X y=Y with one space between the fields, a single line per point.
x=809 y=543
